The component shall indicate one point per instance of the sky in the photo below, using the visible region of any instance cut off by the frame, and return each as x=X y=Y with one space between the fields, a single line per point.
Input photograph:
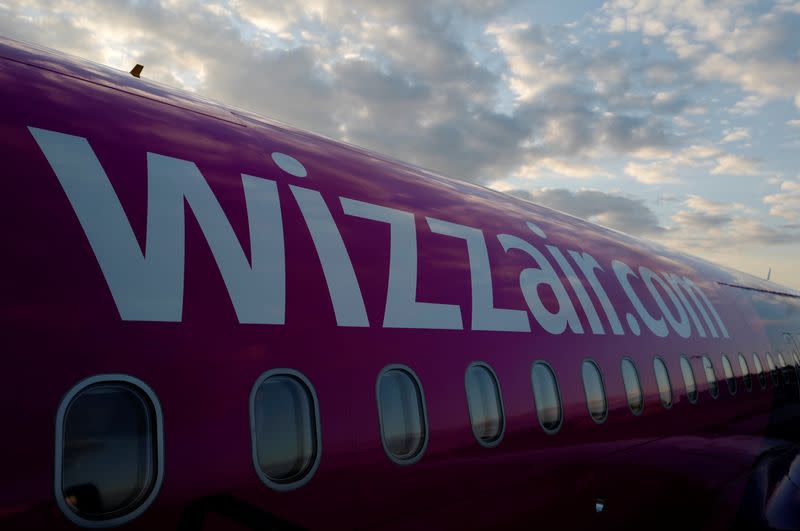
x=673 y=120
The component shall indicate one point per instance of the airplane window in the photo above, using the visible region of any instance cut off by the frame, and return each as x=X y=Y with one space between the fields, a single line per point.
x=285 y=429
x=730 y=378
x=632 y=386
x=662 y=379
x=773 y=370
x=783 y=365
x=595 y=391
x=711 y=377
x=688 y=380
x=547 y=397
x=748 y=382
x=109 y=450
x=762 y=379
x=402 y=415
x=485 y=404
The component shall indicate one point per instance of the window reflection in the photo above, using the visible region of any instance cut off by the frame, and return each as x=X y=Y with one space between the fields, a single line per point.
x=748 y=382
x=485 y=404
x=546 y=396
x=762 y=379
x=633 y=388
x=688 y=380
x=595 y=391
x=285 y=421
x=108 y=458
x=402 y=416
x=730 y=378
x=662 y=380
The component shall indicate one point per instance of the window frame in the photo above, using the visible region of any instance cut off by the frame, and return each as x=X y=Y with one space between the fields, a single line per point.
x=549 y=367
x=497 y=440
x=158 y=470
x=292 y=373
x=638 y=383
x=602 y=387
x=424 y=407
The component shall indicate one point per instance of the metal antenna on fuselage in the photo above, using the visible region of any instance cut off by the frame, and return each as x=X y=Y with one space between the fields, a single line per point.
x=137 y=70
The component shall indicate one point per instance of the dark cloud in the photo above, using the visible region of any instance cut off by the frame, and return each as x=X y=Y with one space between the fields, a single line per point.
x=626 y=214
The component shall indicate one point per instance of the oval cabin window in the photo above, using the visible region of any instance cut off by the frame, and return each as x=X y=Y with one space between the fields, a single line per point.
x=748 y=382
x=633 y=389
x=402 y=415
x=711 y=377
x=662 y=380
x=762 y=379
x=688 y=380
x=109 y=450
x=773 y=370
x=485 y=404
x=547 y=397
x=595 y=391
x=730 y=378
x=285 y=429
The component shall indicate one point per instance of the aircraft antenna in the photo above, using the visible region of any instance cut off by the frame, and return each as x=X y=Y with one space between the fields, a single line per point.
x=137 y=70
x=769 y=273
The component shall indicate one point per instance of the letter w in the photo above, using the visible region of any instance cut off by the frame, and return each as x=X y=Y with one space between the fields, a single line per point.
x=149 y=286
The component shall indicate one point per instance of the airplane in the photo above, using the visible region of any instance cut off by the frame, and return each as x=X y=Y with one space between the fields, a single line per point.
x=213 y=320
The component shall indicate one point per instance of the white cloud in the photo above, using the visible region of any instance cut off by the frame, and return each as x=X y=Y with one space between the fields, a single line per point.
x=567 y=168
x=653 y=173
x=786 y=203
x=793 y=123
x=735 y=165
x=736 y=135
x=748 y=105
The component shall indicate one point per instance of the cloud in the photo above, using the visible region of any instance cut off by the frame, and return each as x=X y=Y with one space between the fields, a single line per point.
x=735 y=135
x=735 y=165
x=793 y=123
x=568 y=168
x=626 y=214
x=706 y=226
x=748 y=105
x=402 y=78
x=653 y=173
x=730 y=42
x=786 y=203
